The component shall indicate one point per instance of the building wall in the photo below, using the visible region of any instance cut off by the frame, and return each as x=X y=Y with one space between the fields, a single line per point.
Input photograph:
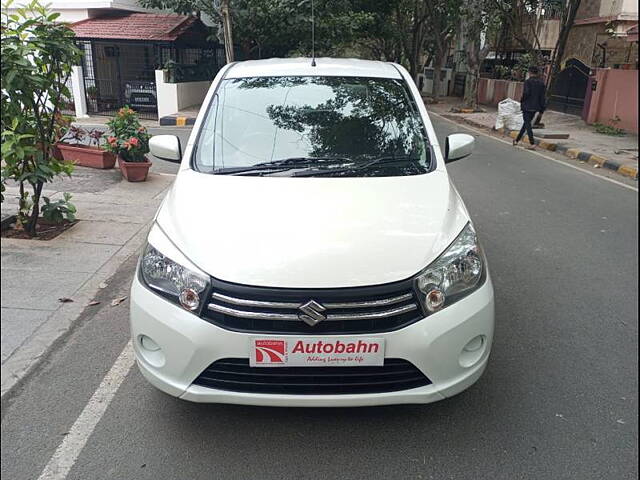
x=582 y=44
x=173 y=97
x=589 y=9
x=615 y=100
x=75 y=10
x=618 y=7
x=492 y=92
x=549 y=33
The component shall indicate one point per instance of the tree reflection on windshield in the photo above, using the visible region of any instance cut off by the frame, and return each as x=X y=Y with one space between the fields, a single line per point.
x=262 y=119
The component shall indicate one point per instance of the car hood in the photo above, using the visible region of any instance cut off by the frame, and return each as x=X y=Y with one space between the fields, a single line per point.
x=311 y=232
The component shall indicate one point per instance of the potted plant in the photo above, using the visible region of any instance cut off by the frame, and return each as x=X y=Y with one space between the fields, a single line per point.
x=129 y=140
x=82 y=147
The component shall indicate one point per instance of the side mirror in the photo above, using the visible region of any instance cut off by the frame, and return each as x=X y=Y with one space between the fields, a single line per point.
x=166 y=147
x=457 y=146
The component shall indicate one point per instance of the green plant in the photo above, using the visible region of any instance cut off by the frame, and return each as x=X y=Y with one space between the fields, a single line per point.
x=60 y=210
x=74 y=135
x=521 y=68
x=128 y=139
x=92 y=91
x=502 y=72
x=610 y=130
x=37 y=54
x=79 y=136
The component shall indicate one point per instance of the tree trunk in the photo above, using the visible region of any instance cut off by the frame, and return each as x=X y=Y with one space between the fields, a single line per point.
x=227 y=31
x=438 y=62
x=558 y=51
x=473 y=74
x=30 y=227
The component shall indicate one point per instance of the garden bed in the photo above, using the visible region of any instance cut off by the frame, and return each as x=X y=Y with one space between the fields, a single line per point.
x=45 y=229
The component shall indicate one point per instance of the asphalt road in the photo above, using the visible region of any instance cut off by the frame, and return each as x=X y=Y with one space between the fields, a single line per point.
x=559 y=399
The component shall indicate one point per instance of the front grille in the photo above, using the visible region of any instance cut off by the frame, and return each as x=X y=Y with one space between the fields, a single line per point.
x=235 y=374
x=375 y=309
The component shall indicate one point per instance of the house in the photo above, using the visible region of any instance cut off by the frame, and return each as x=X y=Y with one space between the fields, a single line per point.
x=123 y=51
x=76 y=10
x=599 y=35
x=129 y=51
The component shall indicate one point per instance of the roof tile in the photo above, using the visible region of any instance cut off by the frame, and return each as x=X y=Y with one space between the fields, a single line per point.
x=134 y=26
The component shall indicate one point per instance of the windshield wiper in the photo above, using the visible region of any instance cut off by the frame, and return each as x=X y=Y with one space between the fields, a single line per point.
x=281 y=165
x=355 y=168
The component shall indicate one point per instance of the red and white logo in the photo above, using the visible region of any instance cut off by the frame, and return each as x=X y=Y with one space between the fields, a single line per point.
x=270 y=351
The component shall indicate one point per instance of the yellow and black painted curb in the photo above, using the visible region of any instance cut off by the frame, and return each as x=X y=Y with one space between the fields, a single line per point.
x=588 y=157
x=176 y=121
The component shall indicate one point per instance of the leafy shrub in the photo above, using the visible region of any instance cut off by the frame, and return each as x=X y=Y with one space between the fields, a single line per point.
x=79 y=136
x=611 y=130
x=60 y=210
x=128 y=139
x=37 y=54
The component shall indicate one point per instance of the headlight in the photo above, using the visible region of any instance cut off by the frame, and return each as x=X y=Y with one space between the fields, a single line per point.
x=173 y=280
x=456 y=273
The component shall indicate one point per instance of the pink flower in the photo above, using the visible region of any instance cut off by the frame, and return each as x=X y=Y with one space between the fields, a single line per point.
x=134 y=141
x=112 y=140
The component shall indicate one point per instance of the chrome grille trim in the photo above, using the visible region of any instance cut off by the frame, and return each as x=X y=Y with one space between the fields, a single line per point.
x=253 y=303
x=294 y=317
x=259 y=303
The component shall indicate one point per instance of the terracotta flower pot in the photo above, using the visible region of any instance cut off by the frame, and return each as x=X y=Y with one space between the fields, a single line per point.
x=134 y=171
x=87 y=156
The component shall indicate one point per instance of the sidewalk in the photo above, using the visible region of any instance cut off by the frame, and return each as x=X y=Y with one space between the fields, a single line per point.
x=616 y=153
x=114 y=217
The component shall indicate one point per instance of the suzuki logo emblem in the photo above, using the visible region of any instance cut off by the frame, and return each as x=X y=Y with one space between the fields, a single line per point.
x=312 y=313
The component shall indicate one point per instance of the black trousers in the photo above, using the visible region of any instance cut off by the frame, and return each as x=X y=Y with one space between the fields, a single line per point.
x=527 y=116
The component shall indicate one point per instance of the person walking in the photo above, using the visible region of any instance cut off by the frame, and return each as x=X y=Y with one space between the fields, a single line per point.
x=533 y=100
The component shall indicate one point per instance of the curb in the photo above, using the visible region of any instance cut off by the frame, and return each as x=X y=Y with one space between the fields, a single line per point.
x=583 y=156
x=176 y=121
x=575 y=153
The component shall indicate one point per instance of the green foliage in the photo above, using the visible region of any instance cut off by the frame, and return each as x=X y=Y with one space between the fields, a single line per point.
x=60 y=210
x=128 y=139
x=522 y=66
x=280 y=28
x=37 y=55
x=610 y=130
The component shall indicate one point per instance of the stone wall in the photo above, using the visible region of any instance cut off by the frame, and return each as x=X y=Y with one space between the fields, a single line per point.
x=582 y=44
x=588 y=9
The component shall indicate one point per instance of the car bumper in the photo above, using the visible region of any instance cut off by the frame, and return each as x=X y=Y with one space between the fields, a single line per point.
x=189 y=344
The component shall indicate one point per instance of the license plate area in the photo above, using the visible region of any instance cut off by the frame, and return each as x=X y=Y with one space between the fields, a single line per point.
x=316 y=352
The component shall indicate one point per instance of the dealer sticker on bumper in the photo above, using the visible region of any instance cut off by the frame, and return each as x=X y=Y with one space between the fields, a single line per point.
x=316 y=352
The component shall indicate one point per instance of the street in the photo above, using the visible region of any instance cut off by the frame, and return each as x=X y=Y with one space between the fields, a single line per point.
x=558 y=399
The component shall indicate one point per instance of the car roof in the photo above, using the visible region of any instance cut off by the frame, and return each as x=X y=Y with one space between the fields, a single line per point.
x=334 y=67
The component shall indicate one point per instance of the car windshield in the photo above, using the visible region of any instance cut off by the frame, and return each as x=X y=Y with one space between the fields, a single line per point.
x=313 y=126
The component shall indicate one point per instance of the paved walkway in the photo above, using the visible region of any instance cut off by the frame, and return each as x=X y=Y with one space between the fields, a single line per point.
x=623 y=150
x=114 y=217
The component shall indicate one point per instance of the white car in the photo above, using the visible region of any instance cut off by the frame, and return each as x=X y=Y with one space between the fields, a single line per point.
x=313 y=250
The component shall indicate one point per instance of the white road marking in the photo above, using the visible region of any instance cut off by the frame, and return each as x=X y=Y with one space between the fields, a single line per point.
x=560 y=162
x=67 y=452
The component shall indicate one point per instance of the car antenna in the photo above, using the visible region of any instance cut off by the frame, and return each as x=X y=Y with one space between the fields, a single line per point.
x=313 y=36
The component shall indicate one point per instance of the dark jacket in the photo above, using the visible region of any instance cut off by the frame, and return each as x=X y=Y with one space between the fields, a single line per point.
x=533 y=97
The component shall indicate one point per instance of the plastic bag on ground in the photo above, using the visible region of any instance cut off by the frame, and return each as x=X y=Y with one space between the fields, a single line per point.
x=509 y=115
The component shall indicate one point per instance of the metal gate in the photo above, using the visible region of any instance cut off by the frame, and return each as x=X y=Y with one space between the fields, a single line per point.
x=118 y=74
x=570 y=88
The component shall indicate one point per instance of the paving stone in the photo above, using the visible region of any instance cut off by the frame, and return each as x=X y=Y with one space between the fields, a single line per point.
x=38 y=289
x=17 y=325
